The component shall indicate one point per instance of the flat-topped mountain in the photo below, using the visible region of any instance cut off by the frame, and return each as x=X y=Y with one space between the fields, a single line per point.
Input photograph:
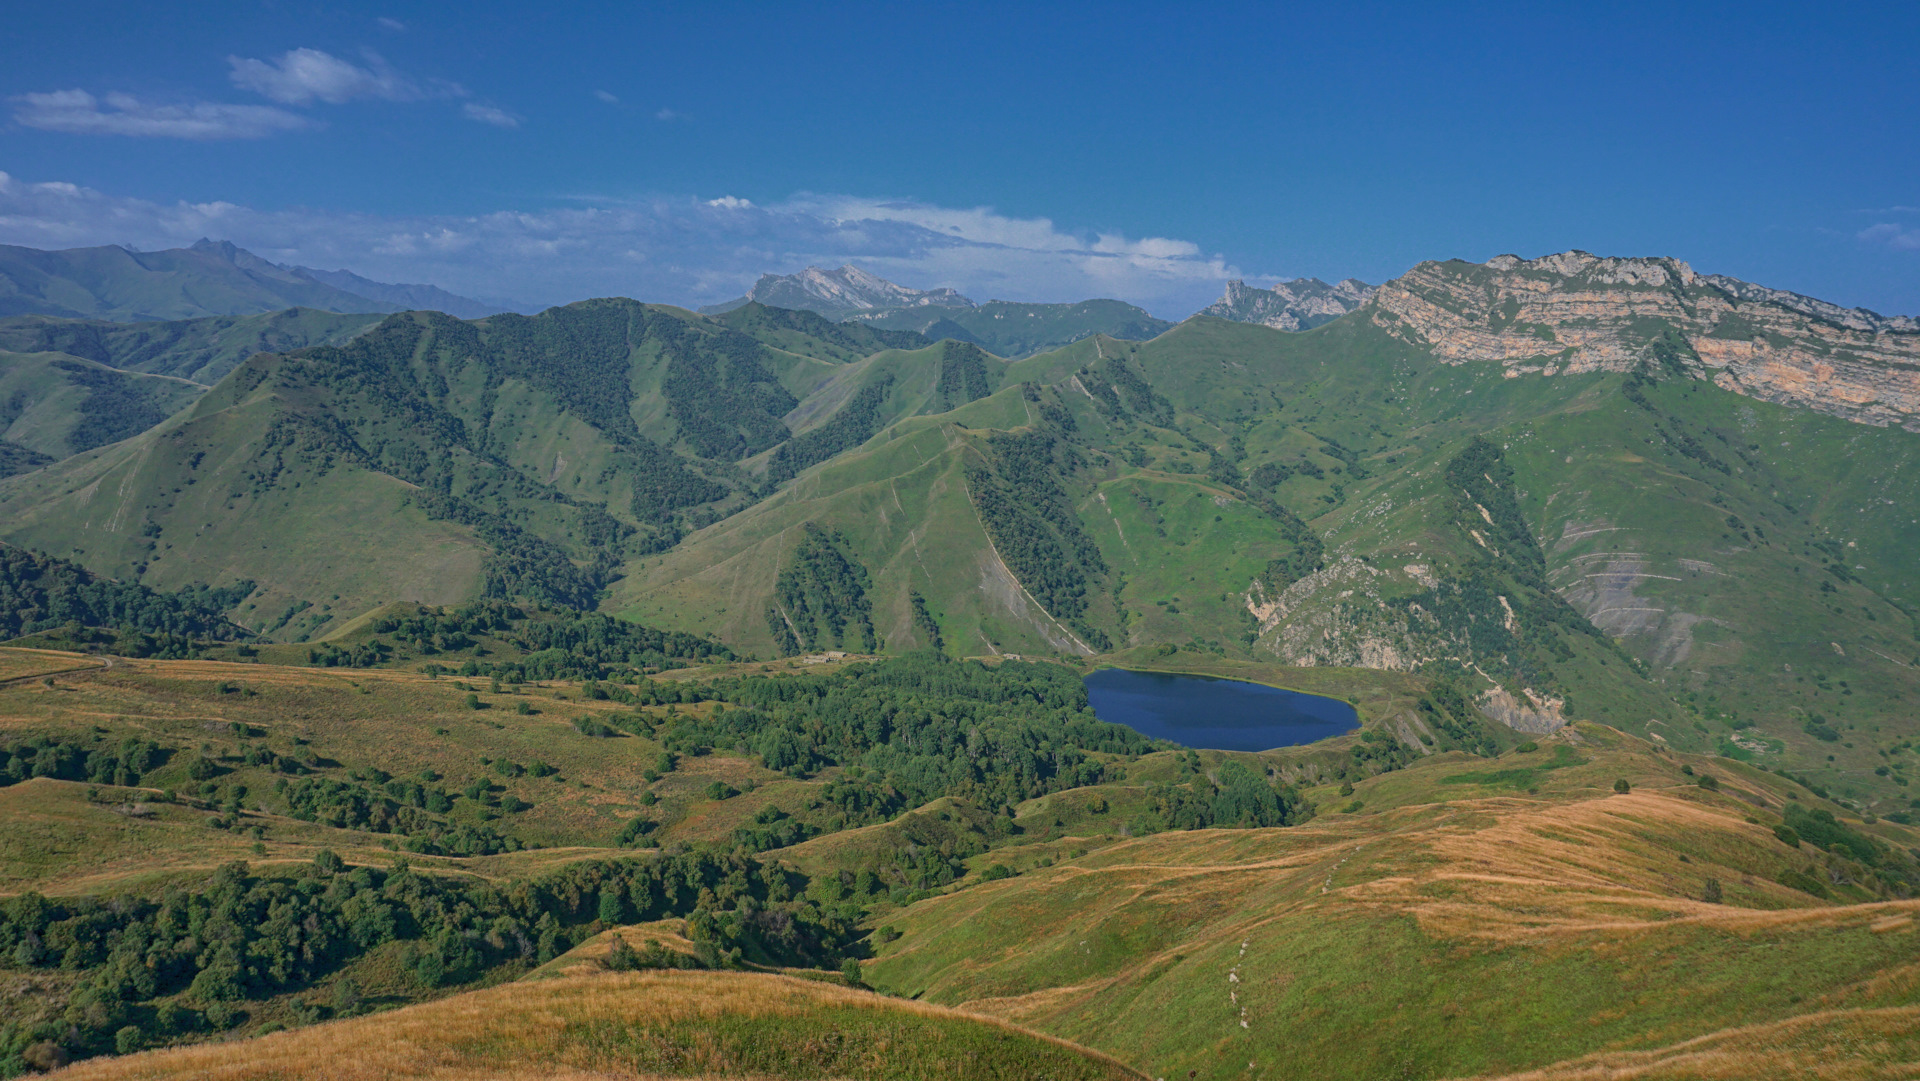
x=1300 y=304
x=1575 y=312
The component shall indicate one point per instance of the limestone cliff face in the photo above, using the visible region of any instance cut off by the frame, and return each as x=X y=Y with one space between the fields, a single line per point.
x=1575 y=312
x=1300 y=304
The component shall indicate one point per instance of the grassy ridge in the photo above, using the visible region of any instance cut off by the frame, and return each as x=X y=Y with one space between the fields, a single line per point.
x=1464 y=933
x=642 y=1025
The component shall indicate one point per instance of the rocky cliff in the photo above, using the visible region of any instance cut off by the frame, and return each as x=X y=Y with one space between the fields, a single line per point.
x=1300 y=304
x=837 y=294
x=1575 y=312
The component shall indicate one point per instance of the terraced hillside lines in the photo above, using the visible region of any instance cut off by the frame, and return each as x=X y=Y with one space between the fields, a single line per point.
x=1486 y=933
x=639 y=1025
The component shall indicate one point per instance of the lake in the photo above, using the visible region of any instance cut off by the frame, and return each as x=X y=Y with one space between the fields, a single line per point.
x=1215 y=714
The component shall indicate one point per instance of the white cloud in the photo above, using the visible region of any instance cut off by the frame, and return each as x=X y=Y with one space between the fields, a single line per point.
x=669 y=115
x=487 y=114
x=78 y=112
x=606 y=97
x=676 y=249
x=1894 y=236
x=304 y=76
x=394 y=25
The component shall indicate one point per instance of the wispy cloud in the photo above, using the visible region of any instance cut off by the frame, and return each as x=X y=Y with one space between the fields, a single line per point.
x=304 y=76
x=80 y=113
x=669 y=115
x=679 y=249
x=487 y=114
x=394 y=25
x=607 y=97
x=1898 y=237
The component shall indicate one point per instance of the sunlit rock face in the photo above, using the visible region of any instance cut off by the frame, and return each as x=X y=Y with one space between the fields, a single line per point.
x=1574 y=312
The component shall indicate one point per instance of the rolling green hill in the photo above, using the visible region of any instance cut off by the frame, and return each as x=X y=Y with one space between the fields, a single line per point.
x=207 y=279
x=1615 y=516
x=202 y=350
x=517 y=456
x=1010 y=329
x=58 y=405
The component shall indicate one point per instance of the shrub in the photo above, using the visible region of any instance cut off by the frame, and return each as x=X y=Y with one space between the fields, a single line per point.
x=1527 y=748
x=473 y=702
x=996 y=872
x=1711 y=893
x=1346 y=788
x=1709 y=782
x=1787 y=836
x=1621 y=786
x=622 y=958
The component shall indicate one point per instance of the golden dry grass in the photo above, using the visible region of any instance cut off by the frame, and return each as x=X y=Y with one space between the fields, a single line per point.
x=635 y=1026
x=1480 y=933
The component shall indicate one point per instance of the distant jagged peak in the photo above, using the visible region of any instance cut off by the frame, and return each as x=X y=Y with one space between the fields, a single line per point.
x=1298 y=304
x=837 y=294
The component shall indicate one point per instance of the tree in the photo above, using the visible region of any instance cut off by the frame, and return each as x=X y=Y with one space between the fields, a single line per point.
x=622 y=958
x=346 y=996
x=613 y=907
x=850 y=972
x=1711 y=894
x=1621 y=786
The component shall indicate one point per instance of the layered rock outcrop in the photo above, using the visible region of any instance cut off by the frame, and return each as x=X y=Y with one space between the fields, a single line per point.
x=1300 y=304
x=1574 y=312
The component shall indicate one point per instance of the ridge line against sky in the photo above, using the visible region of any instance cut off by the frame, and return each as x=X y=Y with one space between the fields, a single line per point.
x=1122 y=150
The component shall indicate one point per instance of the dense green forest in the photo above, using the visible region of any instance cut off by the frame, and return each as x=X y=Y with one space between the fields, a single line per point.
x=805 y=331
x=924 y=726
x=554 y=643
x=148 y=968
x=39 y=593
x=963 y=375
x=725 y=401
x=1017 y=490
x=852 y=425
x=820 y=599
x=116 y=406
x=15 y=458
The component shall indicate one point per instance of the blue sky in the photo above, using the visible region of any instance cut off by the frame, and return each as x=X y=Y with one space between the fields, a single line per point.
x=1030 y=152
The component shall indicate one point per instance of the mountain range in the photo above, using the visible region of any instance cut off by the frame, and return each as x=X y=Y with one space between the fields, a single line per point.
x=210 y=278
x=755 y=636
x=1017 y=330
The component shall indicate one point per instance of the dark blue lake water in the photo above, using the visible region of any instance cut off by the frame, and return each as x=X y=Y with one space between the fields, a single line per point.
x=1215 y=714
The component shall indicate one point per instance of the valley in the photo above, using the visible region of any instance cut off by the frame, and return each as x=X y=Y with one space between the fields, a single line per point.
x=405 y=673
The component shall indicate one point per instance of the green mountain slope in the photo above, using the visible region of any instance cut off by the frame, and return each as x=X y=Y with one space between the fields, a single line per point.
x=1569 y=510
x=1016 y=330
x=1641 y=542
x=203 y=350
x=516 y=456
x=178 y=283
x=57 y=405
